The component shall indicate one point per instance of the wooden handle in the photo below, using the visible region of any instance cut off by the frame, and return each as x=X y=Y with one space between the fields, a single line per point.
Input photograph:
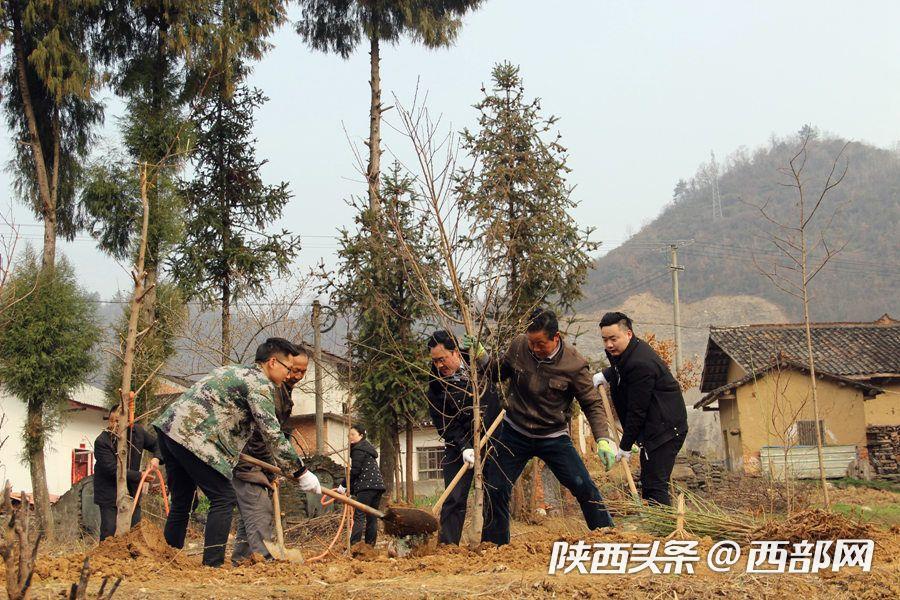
x=436 y=509
x=326 y=491
x=279 y=528
x=611 y=423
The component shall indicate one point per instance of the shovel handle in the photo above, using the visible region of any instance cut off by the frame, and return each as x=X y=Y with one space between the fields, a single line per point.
x=612 y=426
x=279 y=527
x=436 y=509
x=325 y=491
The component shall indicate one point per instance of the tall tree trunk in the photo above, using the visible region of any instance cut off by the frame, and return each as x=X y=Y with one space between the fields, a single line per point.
x=374 y=168
x=46 y=188
x=46 y=197
x=154 y=162
x=410 y=487
x=34 y=431
x=138 y=295
x=387 y=464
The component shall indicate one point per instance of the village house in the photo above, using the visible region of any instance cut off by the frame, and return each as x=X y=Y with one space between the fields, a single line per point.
x=69 y=449
x=757 y=378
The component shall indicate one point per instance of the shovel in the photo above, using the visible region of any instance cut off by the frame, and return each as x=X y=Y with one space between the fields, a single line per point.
x=398 y=521
x=615 y=432
x=277 y=550
x=436 y=509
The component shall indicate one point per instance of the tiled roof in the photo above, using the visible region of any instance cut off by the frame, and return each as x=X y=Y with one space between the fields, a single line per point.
x=854 y=350
x=869 y=391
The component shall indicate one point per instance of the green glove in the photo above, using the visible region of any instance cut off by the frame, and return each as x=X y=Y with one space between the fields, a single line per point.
x=606 y=451
x=472 y=346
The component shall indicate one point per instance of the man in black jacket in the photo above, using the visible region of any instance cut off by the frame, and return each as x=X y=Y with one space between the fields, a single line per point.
x=105 y=448
x=648 y=401
x=450 y=404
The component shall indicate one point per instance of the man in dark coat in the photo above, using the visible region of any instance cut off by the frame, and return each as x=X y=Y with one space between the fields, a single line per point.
x=252 y=485
x=105 y=449
x=366 y=483
x=648 y=402
x=450 y=402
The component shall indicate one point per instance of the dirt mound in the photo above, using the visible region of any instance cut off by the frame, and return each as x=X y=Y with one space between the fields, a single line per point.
x=815 y=524
x=140 y=552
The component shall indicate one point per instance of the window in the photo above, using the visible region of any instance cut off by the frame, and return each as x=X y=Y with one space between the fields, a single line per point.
x=82 y=463
x=430 y=462
x=806 y=433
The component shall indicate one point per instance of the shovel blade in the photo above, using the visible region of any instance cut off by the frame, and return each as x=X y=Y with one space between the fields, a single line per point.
x=400 y=521
x=282 y=553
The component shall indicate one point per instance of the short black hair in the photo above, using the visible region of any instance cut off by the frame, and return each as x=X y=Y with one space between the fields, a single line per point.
x=542 y=319
x=360 y=429
x=273 y=346
x=301 y=349
x=444 y=338
x=617 y=318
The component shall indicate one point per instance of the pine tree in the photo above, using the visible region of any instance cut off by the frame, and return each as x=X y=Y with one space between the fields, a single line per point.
x=520 y=205
x=374 y=289
x=46 y=350
x=48 y=80
x=340 y=26
x=518 y=199
x=224 y=254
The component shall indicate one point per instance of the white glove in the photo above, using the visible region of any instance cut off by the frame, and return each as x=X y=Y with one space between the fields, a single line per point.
x=623 y=455
x=599 y=379
x=340 y=489
x=469 y=456
x=308 y=482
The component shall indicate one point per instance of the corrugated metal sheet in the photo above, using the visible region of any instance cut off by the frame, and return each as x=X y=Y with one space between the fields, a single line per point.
x=803 y=461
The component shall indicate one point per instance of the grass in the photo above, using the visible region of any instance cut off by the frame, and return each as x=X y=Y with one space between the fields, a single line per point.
x=888 y=486
x=887 y=514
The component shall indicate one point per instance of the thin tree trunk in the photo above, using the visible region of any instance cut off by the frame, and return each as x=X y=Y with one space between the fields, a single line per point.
x=410 y=487
x=141 y=289
x=374 y=168
x=812 y=369
x=35 y=439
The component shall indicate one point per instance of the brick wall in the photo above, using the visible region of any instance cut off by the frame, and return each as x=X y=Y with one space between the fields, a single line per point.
x=883 y=442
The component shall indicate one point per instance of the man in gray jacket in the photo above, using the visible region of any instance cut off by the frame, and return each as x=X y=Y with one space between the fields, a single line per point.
x=545 y=376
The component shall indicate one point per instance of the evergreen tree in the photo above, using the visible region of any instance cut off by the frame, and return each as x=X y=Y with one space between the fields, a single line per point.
x=46 y=351
x=224 y=255
x=374 y=289
x=340 y=26
x=520 y=204
x=48 y=80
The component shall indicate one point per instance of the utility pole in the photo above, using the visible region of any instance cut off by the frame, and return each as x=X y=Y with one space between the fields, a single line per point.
x=674 y=267
x=317 y=359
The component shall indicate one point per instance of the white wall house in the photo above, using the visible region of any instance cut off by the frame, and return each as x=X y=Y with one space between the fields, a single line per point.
x=69 y=449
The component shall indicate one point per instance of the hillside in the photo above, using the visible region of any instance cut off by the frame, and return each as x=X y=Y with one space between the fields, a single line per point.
x=861 y=283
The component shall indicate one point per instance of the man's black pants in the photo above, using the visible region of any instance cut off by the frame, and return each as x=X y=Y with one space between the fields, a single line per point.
x=453 y=512
x=656 y=470
x=363 y=521
x=513 y=451
x=108 y=519
x=184 y=474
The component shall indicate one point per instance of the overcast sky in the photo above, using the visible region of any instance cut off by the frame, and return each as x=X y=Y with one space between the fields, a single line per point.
x=645 y=90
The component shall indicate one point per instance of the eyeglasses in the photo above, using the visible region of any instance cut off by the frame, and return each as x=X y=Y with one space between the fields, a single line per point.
x=289 y=369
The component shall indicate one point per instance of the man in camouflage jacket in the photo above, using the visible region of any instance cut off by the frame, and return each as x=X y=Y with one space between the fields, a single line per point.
x=252 y=485
x=202 y=432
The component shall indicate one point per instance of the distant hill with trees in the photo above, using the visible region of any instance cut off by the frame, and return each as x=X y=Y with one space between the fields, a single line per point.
x=724 y=249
